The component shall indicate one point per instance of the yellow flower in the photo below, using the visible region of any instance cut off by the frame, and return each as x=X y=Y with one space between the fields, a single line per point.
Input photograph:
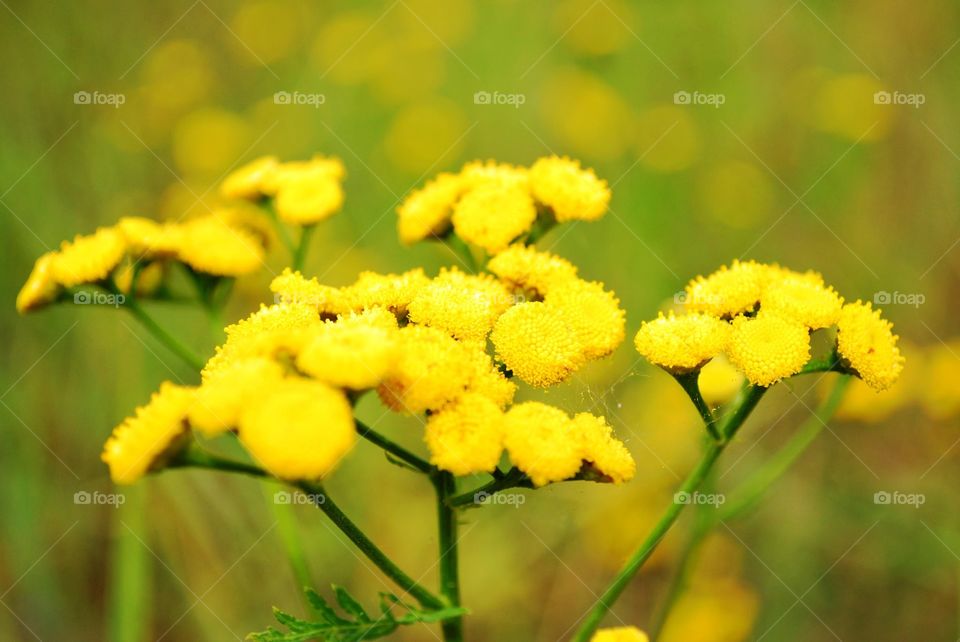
x=592 y=313
x=534 y=341
x=293 y=287
x=607 y=453
x=682 y=343
x=431 y=369
x=298 y=428
x=149 y=239
x=477 y=173
x=292 y=172
x=149 y=278
x=210 y=245
x=41 y=287
x=867 y=344
x=486 y=379
x=768 y=348
x=247 y=182
x=728 y=291
x=463 y=305
x=466 y=436
x=426 y=211
x=526 y=268
x=391 y=291
x=88 y=259
x=541 y=442
x=309 y=198
x=573 y=193
x=493 y=214
x=802 y=300
x=140 y=443
x=220 y=399
x=620 y=634
x=719 y=381
x=353 y=352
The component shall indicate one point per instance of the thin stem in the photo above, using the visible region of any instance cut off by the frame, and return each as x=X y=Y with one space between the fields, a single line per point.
x=445 y=485
x=690 y=382
x=196 y=458
x=281 y=229
x=286 y=520
x=461 y=249
x=394 y=449
x=749 y=397
x=300 y=254
x=167 y=339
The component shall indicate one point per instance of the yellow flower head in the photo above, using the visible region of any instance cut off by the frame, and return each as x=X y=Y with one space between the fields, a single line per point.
x=431 y=369
x=542 y=443
x=593 y=313
x=682 y=343
x=463 y=305
x=247 y=182
x=208 y=244
x=353 y=352
x=728 y=291
x=573 y=193
x=88 y=259
x=41 y=287
x=293 y=287
x=466 y=437
x=768 y=348
x=620 y=634
x=391 y=291
x=526 y=268
x=477 y=173
x=866 y=343
x=298 y=428
x=493 y=214
x=426 y=211
x=535 y=342
x=147 y=238
x=719 y=381
x=607 y=453
x=220 y=399
x=140 y=443
x=292 y=172
x=802 y=300
x=308 y=198
x=486 y=379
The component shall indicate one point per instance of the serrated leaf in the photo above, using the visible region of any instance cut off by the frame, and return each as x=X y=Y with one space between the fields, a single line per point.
x=350 y=605
x=325 y=610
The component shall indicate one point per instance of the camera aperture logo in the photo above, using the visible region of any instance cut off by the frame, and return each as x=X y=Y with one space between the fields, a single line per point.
x=298 y=499
x=699 y=98
x=96 y=498
x=697 y=498
x=499 y=98
x=897 y=498
x=916 y=299
x=299 y=98
x=92 y=297
x=98 y=98
x=899 y=98
x=483 y=498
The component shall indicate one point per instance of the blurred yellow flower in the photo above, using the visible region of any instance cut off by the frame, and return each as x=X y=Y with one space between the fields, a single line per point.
x=866 y=342
x=355 y=352
x=221 y=397
x=620 y=634
x=247 y=181
x=41 y=287
x=846 y=106
x=938 y=392
x=466 y=436
x=719 y=381
x=768 y=348
x=208 y=244
x=682 y=343
x=427 y=211
x=146 y=238
x=209 y=141
x=88 y=259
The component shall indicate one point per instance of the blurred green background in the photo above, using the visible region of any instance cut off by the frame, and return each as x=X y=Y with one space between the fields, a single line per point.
x=783 y=152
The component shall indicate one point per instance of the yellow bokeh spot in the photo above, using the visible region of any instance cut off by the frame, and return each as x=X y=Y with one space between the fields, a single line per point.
x=594 y=29
x=209 y=141
x=425 y=135
x=345 y=50
x=446 y=22
x=267 y=30
x=737 y=193
x=845 y=106
x=668 y=139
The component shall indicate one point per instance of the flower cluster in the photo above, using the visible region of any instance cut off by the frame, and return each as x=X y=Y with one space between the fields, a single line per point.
x=761 y=316
x=620 y=634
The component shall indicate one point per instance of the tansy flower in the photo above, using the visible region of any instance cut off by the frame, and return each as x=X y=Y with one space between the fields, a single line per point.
x=525 y=268
x=593 y=313
x=573 y=193
x=309 y=198
x=728 y=291
x=719 y=381
x=768 y=348
x=802 y=300
x=353 y=352
x=486 y=379
x=599 y=447
x=247 y=181
x=298 y=428
x=220 y=399
x=426 y=211
x=147 y=238
x=541 y=442
x=463 y=305
x=88 y=259
x=493 y=214
x=391 y=291
x=292 y=287
x=291 y=172
x=535 y=342
x=866 y=342
x=41 y=287
x=207 y=244
x=620 y=634
x=477 y=173
x=682 y=343
x=140 y=442
x=466 y=436
x=149 y=277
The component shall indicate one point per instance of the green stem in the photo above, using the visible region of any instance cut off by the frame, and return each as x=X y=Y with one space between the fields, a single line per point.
x=286 y=520
x=690 y=382
x=512 y=479
x=300 y=254
x=281 y=229
x=130 y=584
x=460 y=248
x=446 y=487
x=196 y=458
x=749 y=397
x=394 y=449
x=167 y=339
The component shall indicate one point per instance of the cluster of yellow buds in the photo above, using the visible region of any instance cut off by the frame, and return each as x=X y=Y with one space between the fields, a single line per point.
x=761 y=316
